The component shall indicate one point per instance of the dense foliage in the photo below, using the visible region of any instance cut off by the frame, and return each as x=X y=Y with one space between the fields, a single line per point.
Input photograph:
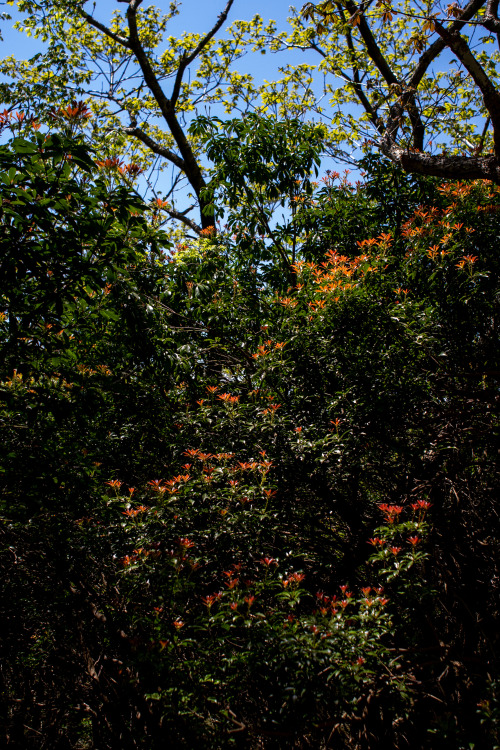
x=244 y=504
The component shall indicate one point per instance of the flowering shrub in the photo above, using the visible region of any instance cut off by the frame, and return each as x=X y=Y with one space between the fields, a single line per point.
x=239 y=617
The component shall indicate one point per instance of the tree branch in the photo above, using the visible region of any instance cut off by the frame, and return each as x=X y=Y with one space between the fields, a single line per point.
x=372 y=47
x=355 y=82
x=407 y=100
x=480 y=147
x=104 y=29
x=490 y=20
x=185 y=220
x=188 y=59
x=191 y=167
x=447 y=167
x=154 y=146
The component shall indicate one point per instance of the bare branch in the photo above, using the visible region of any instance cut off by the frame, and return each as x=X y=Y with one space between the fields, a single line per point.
x=188 y=59
x=104 y=29
x=155 y=147
x=174 y=214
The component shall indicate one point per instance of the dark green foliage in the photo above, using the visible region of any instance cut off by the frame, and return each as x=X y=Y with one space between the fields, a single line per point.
x=261 y=167
x=345 y=214
x=247 y=503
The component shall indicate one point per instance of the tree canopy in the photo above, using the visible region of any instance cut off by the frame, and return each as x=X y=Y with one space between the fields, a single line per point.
x=418 y=81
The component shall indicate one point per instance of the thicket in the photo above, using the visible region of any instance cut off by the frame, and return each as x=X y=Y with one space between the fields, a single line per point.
x=245 y=504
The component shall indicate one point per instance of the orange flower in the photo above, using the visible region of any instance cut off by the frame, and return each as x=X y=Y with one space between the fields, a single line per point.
x=185 y=543
x=385 y=238
x=110 y=163
x=261 y=352
x=156 y=485
x=208 y=600
x=294 y=578
x=159 y=203
x=132 y=170
x=115 y=484
x=421 y=505
x=267 y=561
x=391 y=511
x=368 y=243
x=288 y=302
x=376 y=540
x=270 y=493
